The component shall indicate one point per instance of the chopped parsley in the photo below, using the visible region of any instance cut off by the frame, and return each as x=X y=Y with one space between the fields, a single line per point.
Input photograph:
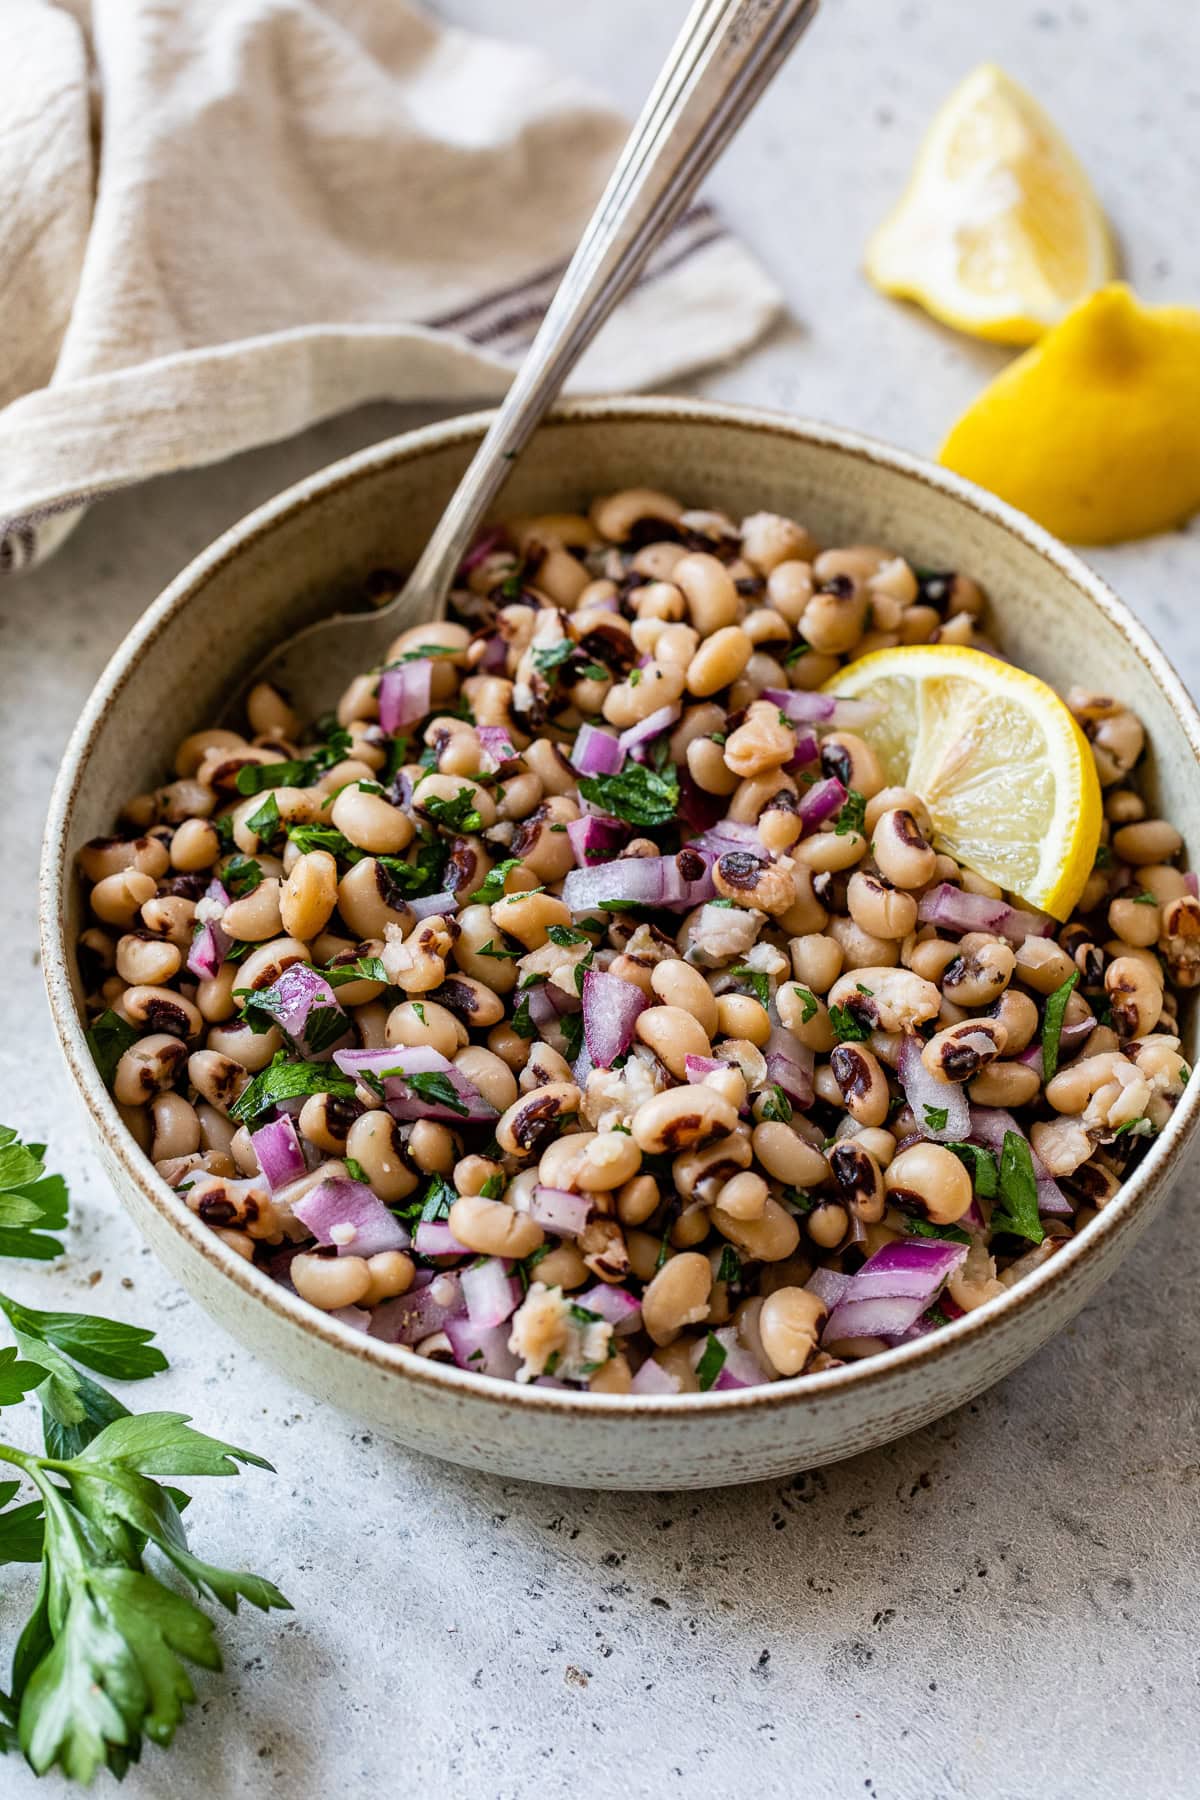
x=852 y=816
x=799 y=1200
x=924 y=1228
x=265 y=822
x=1018 y=1208
x=1104 y=857
x=435 y=1087
x=795 y=653
x=982 y=1165
x=522 y=1024
x=459 y=814
x=636 y=793
x=936 y=1117
x=564 y=935
x=499 y=951
x=109 y=1037
x=730 y=1266
x=756 y=980
x=355 y=1170
x=492 y=1188
x=419 y=1009
x=241 y=875
x=846 y=1028
x=363 y=968
x=712 y=1361
x=256 y=778
x=283 y=1079
x=571 y=1025
x=492 y=888
x=1142 y=1127
x=808 y=1001
x=776 y=1105
x=1052 y=1024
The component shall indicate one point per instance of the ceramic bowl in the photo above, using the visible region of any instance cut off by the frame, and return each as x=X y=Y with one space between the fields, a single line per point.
x=293 y=560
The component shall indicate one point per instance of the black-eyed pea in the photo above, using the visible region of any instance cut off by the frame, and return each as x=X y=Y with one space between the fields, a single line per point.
x=677 y=1296
x=1180 y=940
x=195 y=845
x=758 y=792
x=789 y=1327
x=492 y=1228
x=930 y=957
x=563 y=1267
x=742 y=1016
x=309 y=895
x=880 y=908
x=392 y=1274
x=528 y=917
x=789 y=590
x=1135 y=921
x=816 y=961
x=786 y=1157
x=900 y=849
x=171 y=917
x=374 y=1142
x=636 y=1200
x=263 y=967
x=928 y=1180
x=147 y=1067
x=194 y=749
x=690 y=1228
x=698 y=1174
x=102 y=857
x=1146 y=841
x=708 y=768
x=1135 y=998
x=678 y=985
x=678 y=1118
x=522 y=793
x=960 y=1052
x=217 y=1079
x=835 y=618
x=858 y=1174
x=1061 y=1144
x=770 y=540
x=416 y=1023
x=1042 y=965
x=1164 y=881
x=238 y=1144
x=771 y=1237
x=743 y=1196
x=610 y=1160
x=719 y=661
x=644 y=691
x=325 y=1120
x=432 y=1147
x=489 y=1074
x=616 y=516
x=146 y=961
x=476 y=1004
x=176 y=1129
x=1006 y=1084
x=806 y=1015
x=330 y=1282
x=862 y=949
x=118 y=899
x=157 y=1009
x=417 y=963
x=827 y=1224
x=551 y=767
x=780 y=825
x=269 y=713
x=476 y=946
x=535 y=1117
x=828 y=853
x=1018 y=1014
x=612 y=1377
x=1123 y=807
x=752 y=880
x=240 y=1042
x=545 y=849
x=256 y=916
x=861 y=1083
x=661 y=601
x=511 y=1047
x=712 y=598
x=765 y=740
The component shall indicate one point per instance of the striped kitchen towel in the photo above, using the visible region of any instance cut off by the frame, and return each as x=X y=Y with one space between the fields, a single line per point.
x=221 y=220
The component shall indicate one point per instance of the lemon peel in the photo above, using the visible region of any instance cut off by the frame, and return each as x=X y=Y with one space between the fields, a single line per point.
x=1095 y=432
x=999 y=232
x=1007 y=775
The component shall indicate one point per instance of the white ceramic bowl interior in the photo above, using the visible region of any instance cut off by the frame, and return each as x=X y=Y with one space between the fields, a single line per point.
x=309 y=551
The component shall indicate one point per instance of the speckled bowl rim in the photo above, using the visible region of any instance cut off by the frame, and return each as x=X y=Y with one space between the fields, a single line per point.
x=891 y=1367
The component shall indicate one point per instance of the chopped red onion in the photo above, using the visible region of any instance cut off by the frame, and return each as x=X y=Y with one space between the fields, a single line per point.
x=892 y=1289
x=433 y=1237
x=646 y=730
x=675 y=882
x=790 y=1066
x=428 y=904
x=356 y=1317
x=405 y=695
x=989 y=1124
x=807 y=750
x=698 y=810
x=404 y=1059
x=491 y=1291
x=420 y=1312
x=804 y=708
x=821 y=802
x=347 y=1214
x=595 y=752
x=494 y=660
x=652 y=1378
x=297 y=1002
x=925 y=1091
x=728 y=835
x=560 y=1211
x=698 y=1068
x=482 y=1349
x=404 y=1103
x=490 y=539
x=1191 y=883
x=622 y=1310
x=595 y=838
x=741 y=1368
x=210 y=946
x=610 y=1011
x=279 y=1152
x=497 y=746
x=828 y=1285
x=958 y=910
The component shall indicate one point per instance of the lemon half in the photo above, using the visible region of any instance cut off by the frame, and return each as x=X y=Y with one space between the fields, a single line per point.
x=1004 y=769
x=999 y=232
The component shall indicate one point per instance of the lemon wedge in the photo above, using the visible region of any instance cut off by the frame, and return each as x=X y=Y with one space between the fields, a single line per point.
x=1095 y=432
x=1005 y=771
x=999 y=232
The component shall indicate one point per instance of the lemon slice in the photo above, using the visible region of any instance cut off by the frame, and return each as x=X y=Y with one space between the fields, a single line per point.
x=999 y=232
x=1005 y=771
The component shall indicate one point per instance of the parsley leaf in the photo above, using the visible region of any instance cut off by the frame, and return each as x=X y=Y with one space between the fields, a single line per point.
x=241 y=875
x=639 y=794
x=491 y=948
x=459 y=814
x=355 y=1170
x=846 y=1028
x=1052 y=1024
x=549 y=657
x=923 y=1228
x=363 y=968
x=31 y=1202
x=434 y=1086
x=265 y=823
x=808 y=1001
x=982 y=1165
x=730 y=1266
x=324 y=837
x=564 y=935
x=492 y=888
x=712 y=1361
x=283 y=1079
x=795 y=653
x=492 y=1188
x=1142 y=1127
x=1018 y=1208
x=776 y=1105
x=852 y=816
x=936 y=1117
x=756 y=980
x=109 y=1037
x=522 y=1024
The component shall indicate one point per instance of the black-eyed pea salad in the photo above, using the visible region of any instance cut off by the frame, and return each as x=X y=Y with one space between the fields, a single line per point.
x=625 y=990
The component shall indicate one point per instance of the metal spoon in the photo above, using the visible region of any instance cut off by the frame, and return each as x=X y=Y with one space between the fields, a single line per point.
x=722 y=61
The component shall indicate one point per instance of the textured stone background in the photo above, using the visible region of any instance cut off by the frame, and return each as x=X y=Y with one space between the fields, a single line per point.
x=1003 y=1605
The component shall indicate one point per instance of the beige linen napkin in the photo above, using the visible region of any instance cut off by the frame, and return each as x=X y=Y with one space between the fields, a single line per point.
x=221 y=220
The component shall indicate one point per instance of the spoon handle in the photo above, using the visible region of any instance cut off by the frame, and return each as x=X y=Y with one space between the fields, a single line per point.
x=724 y=57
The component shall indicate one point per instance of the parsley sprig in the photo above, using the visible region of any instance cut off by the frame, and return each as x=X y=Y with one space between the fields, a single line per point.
x=101 y=1664
x=637 y=793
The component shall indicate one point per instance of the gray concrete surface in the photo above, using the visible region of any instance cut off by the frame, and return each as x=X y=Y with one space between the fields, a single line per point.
x=1002 y=1606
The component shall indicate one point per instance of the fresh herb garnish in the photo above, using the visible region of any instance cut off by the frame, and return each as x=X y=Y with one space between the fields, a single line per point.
x=795 y=653
x=325 y=1023
x=808 y=1001
x=852 y=816
x=1018 y=1208
x=565 y=935
x=936 y=1117
x=1145 y=899
x=846 y=1028
x=522 y=1024
x=571 y=1026
x=712 y=1361
x=549 y=657
x=637 y=793
x=241 y=875
x=109 y=1037
x=730 y=1266
x=1141 y=1127
x=776 y=1105
x=283 y=1079
x=499 y=951
x=265 y=823
x=924 y=1228
x=1052 y=1024
x=459 y=814
x=1104 y=857
x=492 y=1188
x=324 y=837
x=31 y=1202
x=492 y=888
x=363 y=968
x=756 y=980
x=255 y=778
x=724 y=904
x=355 y=1170
x=435 y=1087
x=425 y=875
x=985 y=1176
x=799 y=1201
